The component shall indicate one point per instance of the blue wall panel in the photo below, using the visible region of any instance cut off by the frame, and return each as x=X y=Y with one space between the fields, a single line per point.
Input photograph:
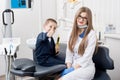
x=18 y=3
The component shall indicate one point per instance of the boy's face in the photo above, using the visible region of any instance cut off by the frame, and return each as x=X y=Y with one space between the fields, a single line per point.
x=50 y=26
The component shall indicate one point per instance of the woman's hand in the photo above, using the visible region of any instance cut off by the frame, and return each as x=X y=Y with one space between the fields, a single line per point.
x=77 y=66
x=59 y=79
x=69 y=65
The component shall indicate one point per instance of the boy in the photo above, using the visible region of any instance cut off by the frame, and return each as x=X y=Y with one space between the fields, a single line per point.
x=45 y=52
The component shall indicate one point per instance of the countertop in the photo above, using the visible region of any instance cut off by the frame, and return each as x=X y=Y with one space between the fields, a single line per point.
x=114 y=36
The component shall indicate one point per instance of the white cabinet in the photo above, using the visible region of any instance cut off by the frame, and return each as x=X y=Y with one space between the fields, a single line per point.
x=113 y=41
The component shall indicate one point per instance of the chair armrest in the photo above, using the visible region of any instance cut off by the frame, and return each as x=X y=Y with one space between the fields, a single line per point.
x=41 y=71
x=24 y=64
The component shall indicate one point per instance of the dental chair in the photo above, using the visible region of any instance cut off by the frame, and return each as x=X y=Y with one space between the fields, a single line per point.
x=26 y=67
x=102 y=61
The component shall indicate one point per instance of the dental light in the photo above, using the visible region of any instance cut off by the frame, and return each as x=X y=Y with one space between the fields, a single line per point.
x=72 y=3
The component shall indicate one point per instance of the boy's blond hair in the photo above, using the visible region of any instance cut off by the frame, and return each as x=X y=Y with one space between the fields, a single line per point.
x=50 y=20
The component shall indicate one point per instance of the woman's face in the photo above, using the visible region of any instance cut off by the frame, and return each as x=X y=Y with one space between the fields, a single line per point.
x=82 y=19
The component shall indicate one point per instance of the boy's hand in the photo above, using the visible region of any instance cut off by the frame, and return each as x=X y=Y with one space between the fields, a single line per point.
x=51 y=32
x=57 y=48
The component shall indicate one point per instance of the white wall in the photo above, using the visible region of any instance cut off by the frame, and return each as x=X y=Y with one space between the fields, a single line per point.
x=48 y=10
x=2 y=69
x=2 y=3
x=104 y=12
x=114 y=44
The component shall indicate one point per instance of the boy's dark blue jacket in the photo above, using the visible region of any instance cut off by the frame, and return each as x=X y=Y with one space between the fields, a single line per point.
x=44 y=48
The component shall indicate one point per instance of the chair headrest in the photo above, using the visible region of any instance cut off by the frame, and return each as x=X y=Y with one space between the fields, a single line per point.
x=63 y=47
x=102 y=59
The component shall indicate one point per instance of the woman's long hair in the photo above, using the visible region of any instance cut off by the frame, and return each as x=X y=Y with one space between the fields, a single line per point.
x=74 y=34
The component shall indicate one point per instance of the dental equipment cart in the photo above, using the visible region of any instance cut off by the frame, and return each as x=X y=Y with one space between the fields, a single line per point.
x=8 y=49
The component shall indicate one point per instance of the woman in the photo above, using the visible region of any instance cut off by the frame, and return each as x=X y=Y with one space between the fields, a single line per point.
x=80 y=48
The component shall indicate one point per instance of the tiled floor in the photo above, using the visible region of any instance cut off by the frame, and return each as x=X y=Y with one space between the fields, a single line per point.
x=2 y=78
x=28 y=78
x=18 y=78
